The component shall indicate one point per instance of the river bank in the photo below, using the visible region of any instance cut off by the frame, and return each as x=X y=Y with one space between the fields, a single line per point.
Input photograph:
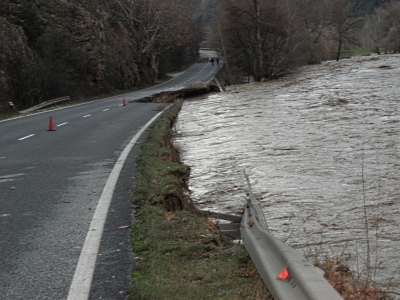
x=180 y=254
x=321 y=148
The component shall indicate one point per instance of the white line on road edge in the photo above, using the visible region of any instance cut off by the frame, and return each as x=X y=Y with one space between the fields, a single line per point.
x=82 y=280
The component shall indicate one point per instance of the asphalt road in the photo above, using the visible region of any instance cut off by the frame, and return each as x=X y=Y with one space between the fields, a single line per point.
x=50 y=186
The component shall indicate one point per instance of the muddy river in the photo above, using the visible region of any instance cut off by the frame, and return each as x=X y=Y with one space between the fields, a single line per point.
x=322 y=150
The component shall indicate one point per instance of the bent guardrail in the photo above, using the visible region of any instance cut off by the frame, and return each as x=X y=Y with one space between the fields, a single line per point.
x=44 y=104
x=285 y=272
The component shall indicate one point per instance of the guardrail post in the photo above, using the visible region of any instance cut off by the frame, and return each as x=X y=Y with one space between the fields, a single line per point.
x=12 y=106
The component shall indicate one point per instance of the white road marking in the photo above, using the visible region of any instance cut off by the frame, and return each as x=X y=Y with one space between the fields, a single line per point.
x=106 y=109
x=82 y=280
x=11 y=177
x=183 y=83
x=62 y=124
x=6 y=180
x=86 y=116
x=25 y=137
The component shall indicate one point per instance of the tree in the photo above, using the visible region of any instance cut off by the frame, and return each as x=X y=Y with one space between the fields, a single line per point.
x=81 y=48
x=258 y=41
x=266 y=38
x=155 y=27
x=389 y=26
x=343 y=23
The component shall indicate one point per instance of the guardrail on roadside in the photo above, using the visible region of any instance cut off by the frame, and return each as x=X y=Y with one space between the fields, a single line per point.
x=285 y=272
x=43 y=104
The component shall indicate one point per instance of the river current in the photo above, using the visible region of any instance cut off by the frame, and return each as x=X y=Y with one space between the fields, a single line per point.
x=322 y=151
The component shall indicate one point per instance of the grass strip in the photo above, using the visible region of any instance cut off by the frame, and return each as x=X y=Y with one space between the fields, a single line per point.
x=179 y=255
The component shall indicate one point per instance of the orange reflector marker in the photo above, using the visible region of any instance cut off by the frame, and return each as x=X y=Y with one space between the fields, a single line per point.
x=284 y=274
x=250 y=223
x=250 y=215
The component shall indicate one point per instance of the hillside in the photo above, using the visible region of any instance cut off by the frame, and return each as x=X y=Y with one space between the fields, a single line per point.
x=81 y=48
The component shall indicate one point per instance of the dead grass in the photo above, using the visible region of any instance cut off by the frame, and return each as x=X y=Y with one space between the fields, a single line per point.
x=340 y=277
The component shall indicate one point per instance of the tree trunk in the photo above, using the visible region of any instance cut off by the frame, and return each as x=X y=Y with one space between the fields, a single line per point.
x=224 y=52
x=339 y=49
x=259 y=60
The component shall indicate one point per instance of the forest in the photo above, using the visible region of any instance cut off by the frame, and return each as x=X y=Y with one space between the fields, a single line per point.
x=55 y=48
x=264 y=39
x=86 y=48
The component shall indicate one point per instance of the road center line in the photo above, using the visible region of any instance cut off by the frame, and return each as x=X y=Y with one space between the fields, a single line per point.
x=62 y=124
x=106 y=109
x=194 y=75
x=25 y=137
x=86 y=116
x=82 y=280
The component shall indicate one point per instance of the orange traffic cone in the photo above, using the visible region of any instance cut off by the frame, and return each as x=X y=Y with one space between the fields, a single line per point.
x=51 y=125
x=124 y=102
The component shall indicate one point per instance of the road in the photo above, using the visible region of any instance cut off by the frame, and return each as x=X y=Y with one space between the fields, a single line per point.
x=50 y=186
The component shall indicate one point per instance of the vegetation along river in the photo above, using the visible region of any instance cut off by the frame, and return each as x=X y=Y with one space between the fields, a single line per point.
x=322 y=150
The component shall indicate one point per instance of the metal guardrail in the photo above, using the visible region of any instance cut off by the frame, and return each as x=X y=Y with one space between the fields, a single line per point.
x=285 y=272
x=254 y=204
x=43 y=104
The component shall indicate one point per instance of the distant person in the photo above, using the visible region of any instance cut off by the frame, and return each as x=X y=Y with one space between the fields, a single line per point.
x=217 y=60
x=212 y=61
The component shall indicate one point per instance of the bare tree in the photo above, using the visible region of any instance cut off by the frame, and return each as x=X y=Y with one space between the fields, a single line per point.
x=389 y=26
x=155 y=27
x=342 y=23
x=266 y=38
x=259 y=46
x=297 y=37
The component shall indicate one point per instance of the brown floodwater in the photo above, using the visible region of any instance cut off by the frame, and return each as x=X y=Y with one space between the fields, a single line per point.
x=322 y=150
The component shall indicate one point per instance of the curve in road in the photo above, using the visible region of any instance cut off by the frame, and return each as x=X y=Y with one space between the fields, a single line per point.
x=51 y=180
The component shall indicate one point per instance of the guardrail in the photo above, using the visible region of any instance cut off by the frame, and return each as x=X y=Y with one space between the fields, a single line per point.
x=285 y=272
x=43 y=104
